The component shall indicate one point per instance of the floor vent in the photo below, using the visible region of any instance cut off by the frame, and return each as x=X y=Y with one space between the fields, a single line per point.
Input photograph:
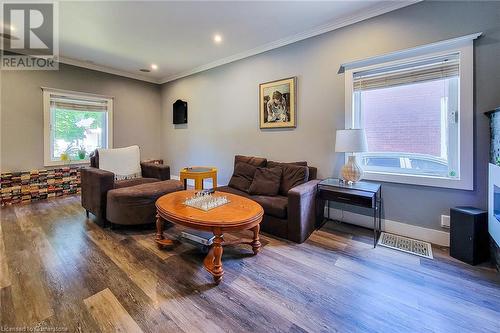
x=405 y=244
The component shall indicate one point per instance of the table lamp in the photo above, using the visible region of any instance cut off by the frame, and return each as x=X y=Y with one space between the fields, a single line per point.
x=351 y=141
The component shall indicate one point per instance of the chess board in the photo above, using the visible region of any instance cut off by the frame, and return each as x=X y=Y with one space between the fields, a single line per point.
x=206 y=202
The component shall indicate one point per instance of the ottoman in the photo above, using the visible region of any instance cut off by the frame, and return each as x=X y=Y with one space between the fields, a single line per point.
x=136 y=204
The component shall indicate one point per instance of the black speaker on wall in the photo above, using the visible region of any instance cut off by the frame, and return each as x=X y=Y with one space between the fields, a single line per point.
x=180 y=112
x=469 y=235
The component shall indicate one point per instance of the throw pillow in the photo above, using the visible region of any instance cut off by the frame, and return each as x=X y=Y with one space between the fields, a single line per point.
x=292 y=175
x=125 y=163
x=242 y=176
x=266 y=181
x=255 y=161
x=312 y=170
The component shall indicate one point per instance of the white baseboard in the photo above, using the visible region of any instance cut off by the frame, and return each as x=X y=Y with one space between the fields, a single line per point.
x=207 y=183
x=403 y=229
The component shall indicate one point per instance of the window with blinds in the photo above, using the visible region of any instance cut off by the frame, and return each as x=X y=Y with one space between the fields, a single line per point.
x=77 y=125
x=409 y=111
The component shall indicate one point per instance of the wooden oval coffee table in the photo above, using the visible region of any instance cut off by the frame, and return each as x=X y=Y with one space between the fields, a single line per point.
x=239 y=214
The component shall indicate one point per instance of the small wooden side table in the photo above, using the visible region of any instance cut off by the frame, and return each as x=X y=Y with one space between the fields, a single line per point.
x=198 y=174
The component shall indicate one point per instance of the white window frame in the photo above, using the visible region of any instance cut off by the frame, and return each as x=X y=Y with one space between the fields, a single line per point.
x=464 y=47
x=47 y=93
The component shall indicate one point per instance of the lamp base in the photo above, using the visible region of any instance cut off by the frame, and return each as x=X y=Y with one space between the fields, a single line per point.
x=351 y=171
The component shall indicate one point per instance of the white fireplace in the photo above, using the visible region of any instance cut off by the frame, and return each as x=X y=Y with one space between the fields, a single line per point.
x=494 y=202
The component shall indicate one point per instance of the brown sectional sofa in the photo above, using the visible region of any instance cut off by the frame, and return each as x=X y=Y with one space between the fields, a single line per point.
x=128 y=201
x=293 y=215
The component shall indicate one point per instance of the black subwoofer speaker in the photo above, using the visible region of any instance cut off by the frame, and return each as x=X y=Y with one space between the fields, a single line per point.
x=469 y=235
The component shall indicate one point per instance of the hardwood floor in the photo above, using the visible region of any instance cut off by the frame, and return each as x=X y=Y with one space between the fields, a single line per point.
x=60 y=270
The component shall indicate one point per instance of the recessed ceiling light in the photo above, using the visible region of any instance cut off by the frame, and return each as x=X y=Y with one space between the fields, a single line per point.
x=154 y=67
x=217 y=38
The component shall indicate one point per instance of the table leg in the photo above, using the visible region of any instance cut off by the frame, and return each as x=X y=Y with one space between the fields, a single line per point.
x=198 y=184
x=213 y=260
x=380 y=212
x=159 y=239
x=380 y=217
x=159 y=228
x=256 y=244
x=375 y=226
x=218 y=271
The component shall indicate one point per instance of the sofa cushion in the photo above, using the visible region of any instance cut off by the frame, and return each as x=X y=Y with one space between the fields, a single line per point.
x=133 y=182
x=242 y=176
x=313 y=171
x=266 y=181
x=301 y=163
x=233 y=190
x=276 y=206
x=255 y=161
x=292 y=175
x=136 y=204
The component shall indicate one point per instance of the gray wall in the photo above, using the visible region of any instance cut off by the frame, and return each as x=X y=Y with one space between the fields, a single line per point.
x=136 y=114
x=223 y=102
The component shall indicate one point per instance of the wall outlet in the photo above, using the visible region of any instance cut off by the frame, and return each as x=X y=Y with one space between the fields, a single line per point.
x=445 y=221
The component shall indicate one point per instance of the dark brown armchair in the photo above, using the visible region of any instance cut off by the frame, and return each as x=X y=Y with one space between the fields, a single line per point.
x=95 y=183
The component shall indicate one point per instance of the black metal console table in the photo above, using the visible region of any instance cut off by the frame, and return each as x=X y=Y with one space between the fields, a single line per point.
x=362 y=194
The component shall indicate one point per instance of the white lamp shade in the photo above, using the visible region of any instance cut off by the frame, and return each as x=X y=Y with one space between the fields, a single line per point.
x=350 y=141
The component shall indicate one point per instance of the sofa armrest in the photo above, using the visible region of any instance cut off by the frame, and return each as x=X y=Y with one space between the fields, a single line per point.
x=155 y=170
x=95 y=184
x=303 y=211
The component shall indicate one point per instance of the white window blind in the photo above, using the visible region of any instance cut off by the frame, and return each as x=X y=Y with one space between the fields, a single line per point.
x=62 y=102
x=403 y=74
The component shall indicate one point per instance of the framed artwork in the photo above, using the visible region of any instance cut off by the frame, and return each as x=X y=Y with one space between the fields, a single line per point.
x=277 y=104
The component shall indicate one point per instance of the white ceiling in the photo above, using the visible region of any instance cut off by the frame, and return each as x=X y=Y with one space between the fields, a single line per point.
x=122 y=37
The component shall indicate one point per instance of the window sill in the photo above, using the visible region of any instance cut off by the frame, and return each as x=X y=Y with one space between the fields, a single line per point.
x=65 y=163
x=458 y=184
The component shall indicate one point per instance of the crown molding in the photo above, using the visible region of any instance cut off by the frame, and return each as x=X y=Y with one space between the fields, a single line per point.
x=105 y=69
x=375 y=11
